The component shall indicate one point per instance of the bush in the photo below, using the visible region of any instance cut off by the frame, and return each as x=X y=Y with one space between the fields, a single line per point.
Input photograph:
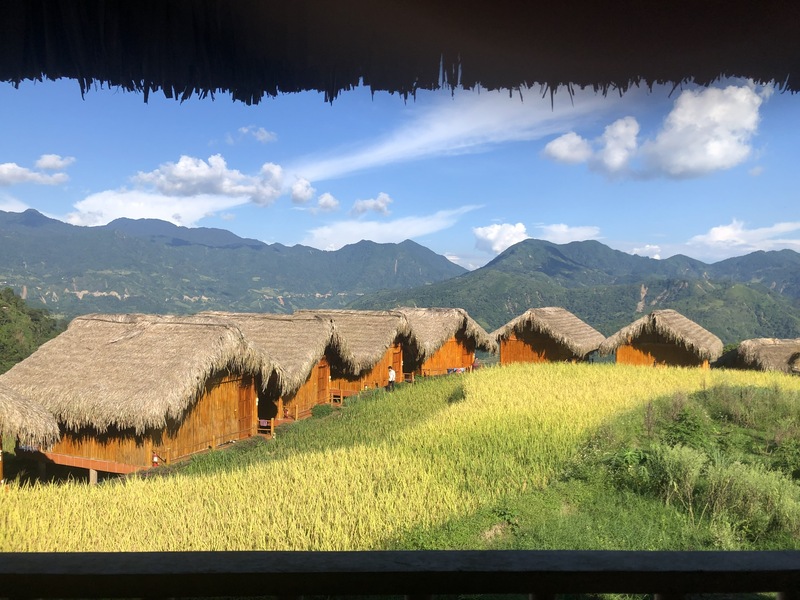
x=754 y=499
x=321 y=410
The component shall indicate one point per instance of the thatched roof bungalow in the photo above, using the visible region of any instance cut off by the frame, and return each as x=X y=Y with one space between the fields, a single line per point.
x=664 y=337
x=295 y=345
x=765 y=354
x=550 y=334
x=442 y=340
x=365 y=344
x=25 y=421
x=131 y=390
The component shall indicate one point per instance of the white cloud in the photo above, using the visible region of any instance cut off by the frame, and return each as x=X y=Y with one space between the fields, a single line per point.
x=466 y=122
x=341 y=233
x=103 y=207
x=560 y=233
x=258 y=133
x=651 y=250
x=54 y=162
x=379 y=205
x=736 y=239
x=497 y=237
x=327 y=203
x=195 y=177
x=12 y=173
x=302 y=191
x=707 y=130
x=569 y=148
x=618 y=145
x=11 y=204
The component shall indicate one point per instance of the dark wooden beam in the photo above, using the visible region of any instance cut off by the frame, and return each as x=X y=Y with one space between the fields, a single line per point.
x=415 y=573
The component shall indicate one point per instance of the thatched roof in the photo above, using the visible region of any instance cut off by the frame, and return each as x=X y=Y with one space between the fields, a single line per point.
x=26 y=420
x=769 y=354
x=557 y=323
x=674 y=327
x=362 y=337
x=253 y=48
x=430 y=328
x=129 y=371
x=293 y=344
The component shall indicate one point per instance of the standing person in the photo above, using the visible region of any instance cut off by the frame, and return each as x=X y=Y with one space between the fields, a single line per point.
x=392 y=377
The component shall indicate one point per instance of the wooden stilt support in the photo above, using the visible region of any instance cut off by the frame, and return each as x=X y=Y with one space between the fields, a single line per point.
x=92 y=477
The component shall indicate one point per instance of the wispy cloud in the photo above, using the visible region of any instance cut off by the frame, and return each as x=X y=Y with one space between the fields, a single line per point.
x=735 y=239
x=341 y=233
x=467 y=122
x=104 y=207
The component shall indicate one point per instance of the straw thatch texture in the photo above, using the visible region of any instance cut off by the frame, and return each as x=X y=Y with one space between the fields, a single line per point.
x=769 y=354
x=577 y=336
x=130 y=371
x=253 y=48
x=292 y=344
x=672 y=326
x=430 y=328
x=25 y=420
x=362 y=337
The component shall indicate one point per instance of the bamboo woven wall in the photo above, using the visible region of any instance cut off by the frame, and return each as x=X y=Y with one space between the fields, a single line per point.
x=315 y=390
x=657 y=354
x=376 y=377
x=455 y=353
x=532 y=347
x=225 y=412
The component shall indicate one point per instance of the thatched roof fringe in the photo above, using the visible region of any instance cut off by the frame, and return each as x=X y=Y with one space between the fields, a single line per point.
x=769 y=354
x=674 y=327
x=291 y=344
x=253 y=48
x=26 y=420
x=430 y=328
x=130 y=371
x=557 y=323
x=362 y=337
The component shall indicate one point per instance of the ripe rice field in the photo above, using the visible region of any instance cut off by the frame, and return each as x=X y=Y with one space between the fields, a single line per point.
x=382 y=466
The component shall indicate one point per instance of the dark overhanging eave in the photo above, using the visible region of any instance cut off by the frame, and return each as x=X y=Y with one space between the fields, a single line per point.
x=259 y=48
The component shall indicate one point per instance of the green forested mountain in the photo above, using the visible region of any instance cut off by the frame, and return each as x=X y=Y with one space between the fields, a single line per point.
x=757 y=295
x=22 y=329
x=153 y=266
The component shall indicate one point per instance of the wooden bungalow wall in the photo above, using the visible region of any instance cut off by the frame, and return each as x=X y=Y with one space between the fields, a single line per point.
x=532 y=347
x=456 y=353
x=225 y=412
x=315 y=390
x=376 y=377
x=652 y=350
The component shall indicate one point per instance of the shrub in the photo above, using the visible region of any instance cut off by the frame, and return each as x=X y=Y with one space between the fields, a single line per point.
x=321 y=410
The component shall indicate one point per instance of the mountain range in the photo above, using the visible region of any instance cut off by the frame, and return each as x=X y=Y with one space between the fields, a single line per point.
x=148 y=265
x=154 y=266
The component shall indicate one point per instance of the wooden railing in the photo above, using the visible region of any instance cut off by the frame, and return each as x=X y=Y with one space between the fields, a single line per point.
x=424 y=573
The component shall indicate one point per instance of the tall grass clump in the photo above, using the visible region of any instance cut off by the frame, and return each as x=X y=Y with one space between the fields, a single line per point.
x=383 y=465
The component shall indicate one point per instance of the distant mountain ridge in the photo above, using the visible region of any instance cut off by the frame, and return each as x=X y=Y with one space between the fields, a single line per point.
x=154 y=266
x=757 y=295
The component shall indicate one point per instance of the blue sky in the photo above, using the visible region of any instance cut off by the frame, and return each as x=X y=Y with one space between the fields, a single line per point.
x=710 y=173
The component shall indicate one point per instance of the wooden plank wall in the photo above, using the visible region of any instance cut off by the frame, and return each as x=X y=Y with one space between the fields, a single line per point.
x=376 y=377
x=532 y=347
x=455 y=353
x=225 y=412
x=315 y=390
x=657 y=354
